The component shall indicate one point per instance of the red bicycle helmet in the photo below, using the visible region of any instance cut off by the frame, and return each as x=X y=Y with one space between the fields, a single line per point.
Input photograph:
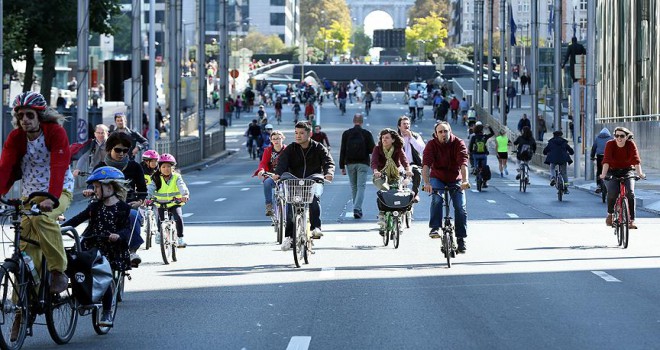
x=166 y=158
x=30 y=99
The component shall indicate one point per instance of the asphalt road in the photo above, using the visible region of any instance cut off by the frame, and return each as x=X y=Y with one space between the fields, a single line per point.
x=537 y=274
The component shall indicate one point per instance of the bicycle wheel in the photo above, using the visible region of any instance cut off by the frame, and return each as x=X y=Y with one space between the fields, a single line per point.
x=298 y=239
x=480 y=183
x=120 y=289
x=409 y=215
x=14 y=307
x=165 y=242
x=616 y=224
x=446 y=242
x=62 y=315
x=281 y=221
x=388 y=228
x=148 y=233
x=625 y=220
x=97 y=312
x=174 y=245
x=397 y=233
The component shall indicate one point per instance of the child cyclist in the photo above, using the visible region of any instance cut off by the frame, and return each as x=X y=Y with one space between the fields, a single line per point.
x=149 y=164
x=109 y=227
x=165 y=186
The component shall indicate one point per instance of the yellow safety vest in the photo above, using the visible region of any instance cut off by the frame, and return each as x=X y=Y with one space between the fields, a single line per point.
x=147 y=179
x=168 y=191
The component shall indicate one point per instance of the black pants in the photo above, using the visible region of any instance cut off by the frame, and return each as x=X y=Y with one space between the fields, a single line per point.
x=314 y=217
x=175 y=213
x=417 y=178
x=599 y=168
x=613 y=193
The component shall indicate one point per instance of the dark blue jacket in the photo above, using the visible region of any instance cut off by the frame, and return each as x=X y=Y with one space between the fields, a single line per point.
x=558 y=151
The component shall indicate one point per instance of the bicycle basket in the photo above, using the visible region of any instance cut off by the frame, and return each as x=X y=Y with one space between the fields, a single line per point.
x=394 y=200
x=298 y=191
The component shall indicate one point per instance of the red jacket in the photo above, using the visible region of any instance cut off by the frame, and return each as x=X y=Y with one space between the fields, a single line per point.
x=621 y=157
x=266 y=164
x=15 y=148
x=378 y=159
x=446 y=158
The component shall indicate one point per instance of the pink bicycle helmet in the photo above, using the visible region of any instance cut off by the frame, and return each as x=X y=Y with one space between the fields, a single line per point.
x=166 y=158
x=150 y=154
x=30 y=99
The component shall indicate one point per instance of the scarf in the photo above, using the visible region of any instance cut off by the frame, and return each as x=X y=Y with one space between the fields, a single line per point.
x=116 y=164
x=390 y=169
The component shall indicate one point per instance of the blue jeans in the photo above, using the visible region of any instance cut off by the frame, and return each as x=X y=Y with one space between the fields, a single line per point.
x=136 y=239
x=480 y=159
x=269 y=186
x=458 y=201
x=357 y=175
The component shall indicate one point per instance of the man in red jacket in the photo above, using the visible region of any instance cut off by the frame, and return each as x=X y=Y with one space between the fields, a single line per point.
x=37 y=152
x=445 y=164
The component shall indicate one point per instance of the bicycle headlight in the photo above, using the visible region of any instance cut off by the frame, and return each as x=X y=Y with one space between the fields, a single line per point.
x=297 y=199
x=395 y=213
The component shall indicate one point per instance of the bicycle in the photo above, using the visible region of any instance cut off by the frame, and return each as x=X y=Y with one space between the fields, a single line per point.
x=601 y=184
x=559 y=182
x=367 y=107
x=279 y=210
x=252 y=146
x=621 y=215
x=168 y=233
x=524 y=175
x=299 y=193
x=151 y=226
x=25 y=295
x=448 y=248
x=396 y=204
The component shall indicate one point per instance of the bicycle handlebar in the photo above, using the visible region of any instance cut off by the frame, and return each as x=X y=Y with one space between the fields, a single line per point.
x=623 y=178
x=17 y=202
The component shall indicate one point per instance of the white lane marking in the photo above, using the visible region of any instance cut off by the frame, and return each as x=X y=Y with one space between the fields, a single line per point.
x=490 y=201
x=233 y=182
x=187 y=215
x=340 y=238
x=513 y=185
x=245 y=189
x=512 y=215
x=220 y=199
x=604 y=275
x=299 y=343
x=327 y=272
x=349 y=215
x=475 y=191
x=200 y=183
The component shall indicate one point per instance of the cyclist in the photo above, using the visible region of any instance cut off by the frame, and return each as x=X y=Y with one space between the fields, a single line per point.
x=96 y=153
x=621 y=158
x=138 y=142
x=320 y=137
x=597 y=152
x=379 y=94
x=558 y=153
x=413 y=147
x=368 y=99
x=278 y=109
x=419 y=103
x=253 y=134
x=525 y=147
x=386 y=159
x=167 y=185
x=303 y=158
x=117 y=147
x=268 y=164
x=502 y=143
x=479 y=149
x=149 y=164
x=412 y=108
x=108 y=219
x=37 y=153
x=296 y=111
x=445 y=163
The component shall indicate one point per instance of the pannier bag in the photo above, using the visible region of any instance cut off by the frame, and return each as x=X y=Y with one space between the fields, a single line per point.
x=90 y=275
x=394 y=200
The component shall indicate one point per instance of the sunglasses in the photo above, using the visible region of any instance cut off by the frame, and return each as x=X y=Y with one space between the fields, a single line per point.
x=620 y=136
x=120 y=150
x=29 y=115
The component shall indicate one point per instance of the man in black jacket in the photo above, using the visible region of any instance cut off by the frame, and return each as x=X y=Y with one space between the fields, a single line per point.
x=303 y=158
x=354 y=160
x=138 y=142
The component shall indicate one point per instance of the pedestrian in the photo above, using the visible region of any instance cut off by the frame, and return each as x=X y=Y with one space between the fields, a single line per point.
x=523 y=82
x=37 y=153
x=524 y=122
x=511 y=95
x=412 y=108
x=597 y=153
x=138 y=142
x=354 y=160
x=445 y=164
x=320 y=137
x=238 y=106
x=541 y=128
x=413 y=147
x=420 y=102
x=502 y=143
x=95 y=154
x=454 y=105
x=464 y=106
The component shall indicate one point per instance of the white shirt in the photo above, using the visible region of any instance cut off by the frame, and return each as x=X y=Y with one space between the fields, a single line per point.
x=35 y=166
x=409 y=143
x=420 y=102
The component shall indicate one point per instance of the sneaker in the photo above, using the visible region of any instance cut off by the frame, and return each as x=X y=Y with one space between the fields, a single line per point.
x=287 y=244
x=269 y=209
x=15 y=327
x=608 y=220
x=506 y=171
x=157 y=238
x=461 y=246
x=566 y=190
x=631 y=225
x=553 y=182
x=485 y=185
x=106 y=319
x=434 y=233
x=357 y=214
x=518 y=177
x=316 y=233
x=135 y=259
x=180 y=243
x=381 y=232
x=58 y=282
x=501 y=174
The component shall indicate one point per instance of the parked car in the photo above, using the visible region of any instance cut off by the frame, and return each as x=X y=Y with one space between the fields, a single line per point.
x=417 y=87
x=280 y=90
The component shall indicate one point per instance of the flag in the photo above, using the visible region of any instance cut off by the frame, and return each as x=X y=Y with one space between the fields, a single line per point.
x=513 y=27
x=574 y=26
x=551 y=20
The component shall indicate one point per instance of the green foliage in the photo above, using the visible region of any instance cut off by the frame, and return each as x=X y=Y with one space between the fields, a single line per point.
x=259 y=43
x=361 y=43
x=122 y=36
x=455 y=54
x=422 y=8
x=336 y=38
x=315 y=14
x=426 y=36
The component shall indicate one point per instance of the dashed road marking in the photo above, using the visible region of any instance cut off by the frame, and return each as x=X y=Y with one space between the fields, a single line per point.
x=490 y=201
x=200 y=183
x=604 y=275
x=233 y=182
x=245 y=189
x=512 y=215
x=299 y=343
x=513 y=185
x=187 y=215
x=220 y=199
x=475 y=191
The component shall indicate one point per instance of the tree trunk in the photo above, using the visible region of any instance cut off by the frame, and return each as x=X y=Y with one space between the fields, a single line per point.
x=28 y=79
x=48 y=69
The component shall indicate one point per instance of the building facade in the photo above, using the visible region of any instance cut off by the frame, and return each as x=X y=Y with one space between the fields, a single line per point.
x=279 y=17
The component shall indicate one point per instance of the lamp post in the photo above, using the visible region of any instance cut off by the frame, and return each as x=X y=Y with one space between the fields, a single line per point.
x=186 y=50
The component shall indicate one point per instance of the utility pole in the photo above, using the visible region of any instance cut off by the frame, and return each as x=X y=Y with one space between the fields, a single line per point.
x=201 y=75
x=533 y=72
x=82 y=96
x=557 y=72
x=2 y=75
x=480 y=35
x=590 y=115
x=152 y=75
x=490 y=57
x=174 y=74
x=502 y=91
x=136 y=66
x=477 y=55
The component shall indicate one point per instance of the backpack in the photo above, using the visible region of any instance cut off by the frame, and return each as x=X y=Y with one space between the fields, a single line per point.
x=525 y=152
x=480 y=145
x=356 y=148
x=90 y=275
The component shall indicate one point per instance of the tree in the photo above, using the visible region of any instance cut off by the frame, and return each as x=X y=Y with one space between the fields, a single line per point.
x=361 y=43
x=260 y=43
x=336 y=38
x=426 y=36
x=51 y=25
x=422 y=8
x=122 y=36
x=316 y=14
x=455 y=54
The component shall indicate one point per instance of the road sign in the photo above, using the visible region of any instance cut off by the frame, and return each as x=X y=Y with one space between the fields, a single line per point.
x=233 y=73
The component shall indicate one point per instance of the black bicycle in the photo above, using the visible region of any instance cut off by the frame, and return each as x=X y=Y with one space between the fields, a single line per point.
x=449 y=248
x=24 y=293
x=559 y=182
x=524 y=175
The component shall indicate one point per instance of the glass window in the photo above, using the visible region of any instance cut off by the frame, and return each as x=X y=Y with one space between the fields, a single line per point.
x=277 y=19
x=277 y=2
x=583 y=4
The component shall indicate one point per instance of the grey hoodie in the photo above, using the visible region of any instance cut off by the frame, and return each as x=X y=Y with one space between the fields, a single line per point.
x=598 y=147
